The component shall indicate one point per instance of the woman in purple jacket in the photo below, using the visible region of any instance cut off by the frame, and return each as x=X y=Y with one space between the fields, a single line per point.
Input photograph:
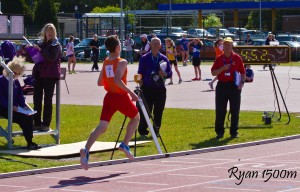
x=46 y=74
x=24 y=121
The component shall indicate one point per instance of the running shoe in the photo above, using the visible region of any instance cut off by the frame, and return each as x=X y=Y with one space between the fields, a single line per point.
x=195 y=79
x=180 y=81
x=126 y=150
x=84 y=158
x=171 y=83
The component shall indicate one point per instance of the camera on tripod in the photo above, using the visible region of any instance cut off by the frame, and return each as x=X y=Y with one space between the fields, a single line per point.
x=267 y=118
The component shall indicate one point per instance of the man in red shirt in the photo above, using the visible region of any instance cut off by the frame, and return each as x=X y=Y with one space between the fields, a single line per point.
x=230 y=71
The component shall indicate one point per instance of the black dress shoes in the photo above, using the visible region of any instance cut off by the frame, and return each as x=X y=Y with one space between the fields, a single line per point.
x=33 y=146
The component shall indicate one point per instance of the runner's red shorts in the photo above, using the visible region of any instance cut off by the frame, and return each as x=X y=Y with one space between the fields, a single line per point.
x=114 y=102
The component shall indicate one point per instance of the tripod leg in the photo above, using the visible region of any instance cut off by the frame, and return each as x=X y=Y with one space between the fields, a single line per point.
x=163 y=144
x=149 y=125
x=112 y=154
x=67 y=87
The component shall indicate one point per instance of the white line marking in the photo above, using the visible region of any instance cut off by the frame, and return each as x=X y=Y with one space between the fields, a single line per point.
x=192 y=175
x=44 y=177
x=108 y=171
x=158 y=164
x=13 y=186
x=239 y=189
x=38 y=189
x=143 y=183
x=297 y=189
x=186 y=162
x=268 y=156
x=77 y=190
x=208 y=159
x=189 y=185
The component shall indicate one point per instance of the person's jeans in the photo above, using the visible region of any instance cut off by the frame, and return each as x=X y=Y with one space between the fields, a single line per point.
x=129 y=56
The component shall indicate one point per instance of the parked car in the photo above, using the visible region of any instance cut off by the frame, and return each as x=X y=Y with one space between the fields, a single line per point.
x=295 y=49
x=84 y=44
x=287 y=37
x=173 y=30
x=256 y=42
x=236 y=30
x=198 y=32
x=103 y=53
x=221 y=32
x=255 y=34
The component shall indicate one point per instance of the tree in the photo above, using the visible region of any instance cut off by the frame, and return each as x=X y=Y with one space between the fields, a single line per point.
x=45 y=13
x=212 y=21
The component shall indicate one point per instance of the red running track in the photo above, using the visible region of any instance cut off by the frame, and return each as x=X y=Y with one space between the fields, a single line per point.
x=200 y=171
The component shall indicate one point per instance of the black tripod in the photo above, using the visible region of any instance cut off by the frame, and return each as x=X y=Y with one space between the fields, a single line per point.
x=147 y=114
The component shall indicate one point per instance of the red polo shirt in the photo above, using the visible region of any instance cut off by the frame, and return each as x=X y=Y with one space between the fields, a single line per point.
x=236 y=65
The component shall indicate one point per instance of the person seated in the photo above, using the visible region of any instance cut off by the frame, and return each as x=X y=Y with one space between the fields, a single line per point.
x=249 y=73
x=25 y=121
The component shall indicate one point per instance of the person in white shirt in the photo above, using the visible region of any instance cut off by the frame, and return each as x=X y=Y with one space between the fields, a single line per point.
x=71 y=55
x=129 y=43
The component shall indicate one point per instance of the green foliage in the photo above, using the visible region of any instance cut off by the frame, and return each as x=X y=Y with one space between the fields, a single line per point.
x=212 y=21
x=108 y=9
x=45 y=13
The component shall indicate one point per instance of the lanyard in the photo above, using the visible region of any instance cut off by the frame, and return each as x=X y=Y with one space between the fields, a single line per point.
x=155 y=62
x=224 y=60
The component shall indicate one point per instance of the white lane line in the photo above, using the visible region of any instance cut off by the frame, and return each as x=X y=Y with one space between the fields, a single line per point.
x=185 y=162
x=238 y=189
x=268 y=156
x=158 y=164
x=208 y=159
x=295 y=189
x=13 y=186
x=108 y=171
x=143 y=183
x=47 y=177
x=187 y=175
x=38 y=189
x=78 y=190
x=189 y=185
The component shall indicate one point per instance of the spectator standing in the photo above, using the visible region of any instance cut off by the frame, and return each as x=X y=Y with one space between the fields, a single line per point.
x=171 y=55
x=94 y=45
x=225 y=67
x=145 y=45
x=46 y=74
x=25 y=121
x=71 y=55
x=153 y=85
x=269 y=39
x=113 y=77
x=184 y=46
x=129 y=43
x=248 y=40
x=219 y=51
x=196 y=45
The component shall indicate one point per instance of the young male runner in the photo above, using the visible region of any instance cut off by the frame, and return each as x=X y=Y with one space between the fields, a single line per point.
x=113 y=77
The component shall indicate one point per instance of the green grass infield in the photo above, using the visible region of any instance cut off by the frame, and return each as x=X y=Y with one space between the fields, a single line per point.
x=182 y=129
